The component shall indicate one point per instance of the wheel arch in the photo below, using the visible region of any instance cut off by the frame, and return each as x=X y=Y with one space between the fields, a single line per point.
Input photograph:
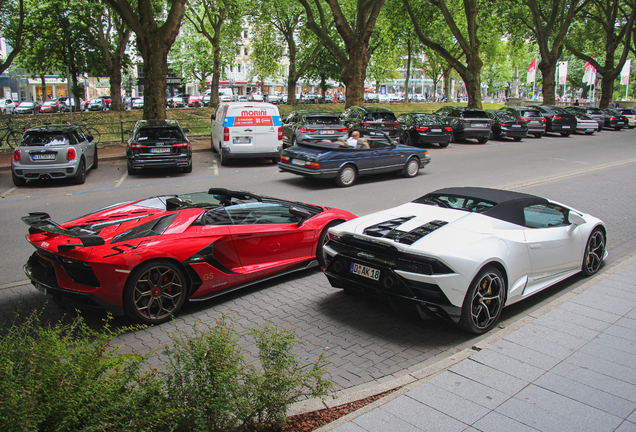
x=177 y=263
x=504 y=272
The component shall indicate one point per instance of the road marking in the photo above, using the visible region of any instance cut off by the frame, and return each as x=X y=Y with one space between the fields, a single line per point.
x=121 y=180
x=215 y=164
x=9 y=191
x=573 y=173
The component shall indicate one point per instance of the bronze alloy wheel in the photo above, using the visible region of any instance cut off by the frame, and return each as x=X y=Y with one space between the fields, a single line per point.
x=155 y=292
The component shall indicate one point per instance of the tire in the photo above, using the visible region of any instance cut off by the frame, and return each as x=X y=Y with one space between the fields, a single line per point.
x=154 y=292
x=97 y=137
x=14 y=138
x=538 y=135
x=482 y=140
x=80 y=177
x=346 y=176
x=444 y=144
x=18 y=181
x=322 y=240
x=95 y=159
x=407 y=139
x=594 y=252
x=412 y=168
x=600 y=129
x=517 y=139
x=453 y=138
x=565 y=134
x=276 y=159
x=589 y=133
x=131 y=170
x=617 y=129
x=188 y=169
x=222 y=159
x=483 y=302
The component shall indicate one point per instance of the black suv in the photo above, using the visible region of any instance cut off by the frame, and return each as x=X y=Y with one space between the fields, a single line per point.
x=371 y=118
x=310 y=126
x=158 y=144
x=466 y=122
x=557 y=120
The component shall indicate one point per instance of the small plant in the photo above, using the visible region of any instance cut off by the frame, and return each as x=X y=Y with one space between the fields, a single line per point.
x=220 y=391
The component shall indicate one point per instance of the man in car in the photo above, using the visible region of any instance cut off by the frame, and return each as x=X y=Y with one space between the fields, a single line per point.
x=356 y=141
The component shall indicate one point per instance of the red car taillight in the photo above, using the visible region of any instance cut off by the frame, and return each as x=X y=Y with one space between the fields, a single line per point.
x=504 y=124
x=138 y=146
x=285 y=158
x=613 y=118
x=448 y=129
x=226 y=134
x=342 y=130
x=280 y=133
x=17 y=155
x=524 y=119
x=305 y=130
x=543 y=120
x=182 y=145
x=422 y=128
x=70 y=153
x=312 y=165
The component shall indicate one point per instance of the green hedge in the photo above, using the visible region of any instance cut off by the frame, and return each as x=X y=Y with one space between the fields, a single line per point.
x=67 y=377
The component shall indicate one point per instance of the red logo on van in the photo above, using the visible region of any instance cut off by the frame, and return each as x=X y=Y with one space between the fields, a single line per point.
x=254 y=113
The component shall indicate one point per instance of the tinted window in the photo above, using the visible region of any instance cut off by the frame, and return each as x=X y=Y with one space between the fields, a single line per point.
x=545 y=216
x=379 y=117
x=473 y=114
x=455 y=202
x=530 y=113
x=322 y=120
x=594 y=111
x=506 y=116
x=260 y=213
x=423 y=119
x=158 y=134
x=45 y=139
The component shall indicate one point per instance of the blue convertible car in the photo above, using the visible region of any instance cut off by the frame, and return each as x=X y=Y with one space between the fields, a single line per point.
x=374 y=153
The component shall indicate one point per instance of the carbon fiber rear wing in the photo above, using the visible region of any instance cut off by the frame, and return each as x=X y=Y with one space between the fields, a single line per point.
x=41 y=222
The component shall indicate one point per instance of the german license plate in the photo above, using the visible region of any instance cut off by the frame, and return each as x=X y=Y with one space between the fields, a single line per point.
x=620 y=122
x=40 y=288
x=516 y=126
x=43 y=157
x=565 y=127
x=298 y=162
x=479 y=125
x=241 y=140
x=160 y=150
x=436 y=130
x=326 y=132
x=365 y=271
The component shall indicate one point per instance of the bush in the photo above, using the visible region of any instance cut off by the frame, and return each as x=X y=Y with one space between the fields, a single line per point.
x=67 y=377
x=221 y=391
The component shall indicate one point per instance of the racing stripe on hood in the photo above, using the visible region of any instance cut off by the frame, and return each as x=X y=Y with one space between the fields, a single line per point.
x=388 y=229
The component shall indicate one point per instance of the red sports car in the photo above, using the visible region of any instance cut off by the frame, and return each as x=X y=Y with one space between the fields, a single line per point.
x=145 y=258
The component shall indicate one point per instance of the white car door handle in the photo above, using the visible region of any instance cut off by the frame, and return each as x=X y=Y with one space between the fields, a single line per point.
x=535 y=246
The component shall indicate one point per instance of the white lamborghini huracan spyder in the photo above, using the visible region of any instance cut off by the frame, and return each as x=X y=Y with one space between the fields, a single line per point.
x=464 y=253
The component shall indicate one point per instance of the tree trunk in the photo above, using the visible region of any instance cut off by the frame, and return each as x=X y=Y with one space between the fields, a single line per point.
x=354 y=74
x=116 y=103
x=547 y=69
x=44 y=96
x=408 y=72
x=155 y=73
x=472 y=79
x=446 y=73
x=216 y=74
x=607 y=88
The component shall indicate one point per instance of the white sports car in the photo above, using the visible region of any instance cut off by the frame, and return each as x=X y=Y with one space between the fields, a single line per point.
x=464 y=253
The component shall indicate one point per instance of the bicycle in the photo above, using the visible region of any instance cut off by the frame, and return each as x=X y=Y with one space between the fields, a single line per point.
x=10 y=135
x=90 y=131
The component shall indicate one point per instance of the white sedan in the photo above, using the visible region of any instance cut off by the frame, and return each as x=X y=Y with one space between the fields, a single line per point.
x=464 y=253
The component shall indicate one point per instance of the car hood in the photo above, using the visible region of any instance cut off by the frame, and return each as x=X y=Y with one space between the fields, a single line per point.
x=421 y=227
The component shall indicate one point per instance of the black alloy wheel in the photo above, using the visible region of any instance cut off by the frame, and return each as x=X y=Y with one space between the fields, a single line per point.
x=483 y=302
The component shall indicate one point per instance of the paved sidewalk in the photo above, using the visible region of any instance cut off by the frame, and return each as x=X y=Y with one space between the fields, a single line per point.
x=569 y=367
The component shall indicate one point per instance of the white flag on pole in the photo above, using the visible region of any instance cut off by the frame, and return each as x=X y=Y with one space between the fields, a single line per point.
x=563 y=72
x=626 y=72
x=589 y=77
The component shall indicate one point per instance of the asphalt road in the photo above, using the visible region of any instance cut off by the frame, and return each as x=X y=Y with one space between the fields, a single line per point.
x=364 y=342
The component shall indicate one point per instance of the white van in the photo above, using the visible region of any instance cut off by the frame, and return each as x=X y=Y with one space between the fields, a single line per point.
x=247 y=130
x=225 y=94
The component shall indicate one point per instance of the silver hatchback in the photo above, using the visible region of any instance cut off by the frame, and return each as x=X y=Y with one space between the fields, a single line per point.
x=52 y=152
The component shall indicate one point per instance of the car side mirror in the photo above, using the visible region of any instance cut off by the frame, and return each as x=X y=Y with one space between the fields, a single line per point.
x=575 y=219
x=300 y=213
x=186 y=130
x=213 y=116
x=89 y=137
